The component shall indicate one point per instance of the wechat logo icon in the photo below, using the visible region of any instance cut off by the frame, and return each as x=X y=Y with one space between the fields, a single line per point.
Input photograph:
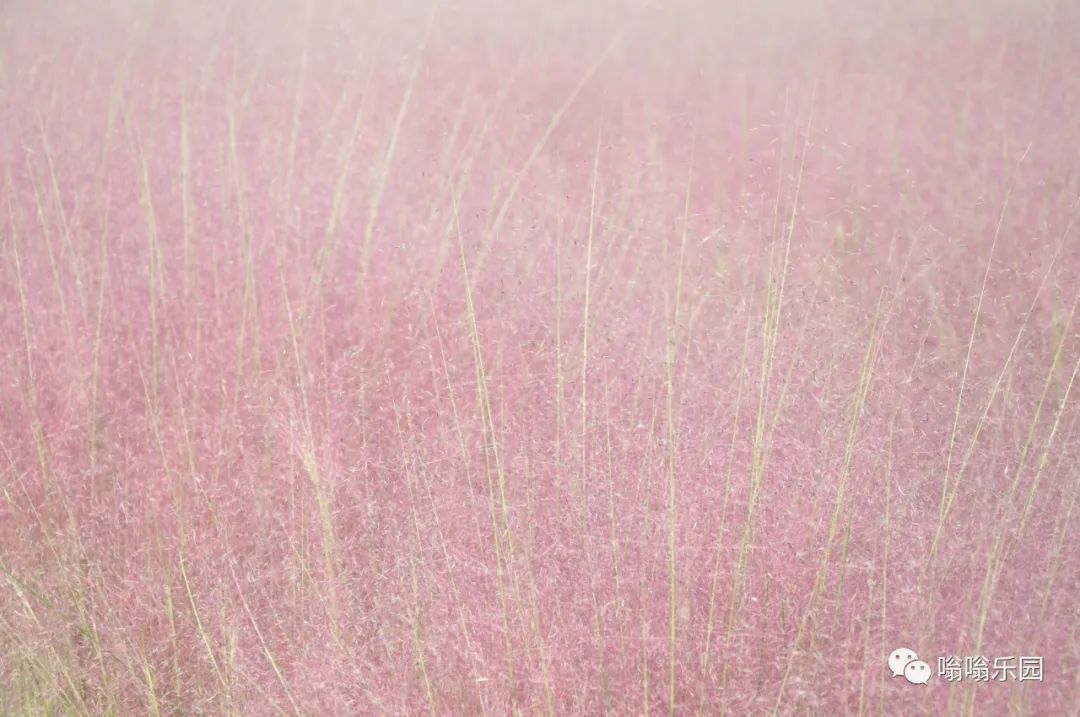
x=903 y=662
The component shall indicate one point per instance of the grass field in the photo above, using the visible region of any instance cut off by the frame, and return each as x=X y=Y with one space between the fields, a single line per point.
x=491 y=358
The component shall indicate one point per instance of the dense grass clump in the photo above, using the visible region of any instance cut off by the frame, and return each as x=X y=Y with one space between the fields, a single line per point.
x=537 y=357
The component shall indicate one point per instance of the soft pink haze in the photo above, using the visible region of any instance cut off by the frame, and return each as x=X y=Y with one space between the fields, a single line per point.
x=386 y=358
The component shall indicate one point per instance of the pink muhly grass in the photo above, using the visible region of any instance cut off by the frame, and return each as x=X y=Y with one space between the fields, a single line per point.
x=557 y=358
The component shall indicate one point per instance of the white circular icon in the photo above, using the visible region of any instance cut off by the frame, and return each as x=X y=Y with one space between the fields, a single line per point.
x=917 y=672
x=899 y=659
